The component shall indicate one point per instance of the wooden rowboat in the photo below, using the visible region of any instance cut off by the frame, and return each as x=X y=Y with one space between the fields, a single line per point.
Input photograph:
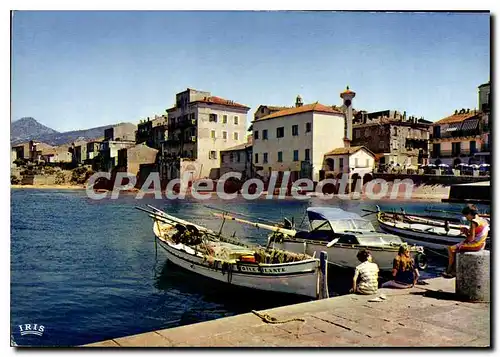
x=207 y=253
x=431 y=233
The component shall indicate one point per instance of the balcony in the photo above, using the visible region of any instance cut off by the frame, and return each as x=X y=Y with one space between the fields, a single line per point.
x=452 y=153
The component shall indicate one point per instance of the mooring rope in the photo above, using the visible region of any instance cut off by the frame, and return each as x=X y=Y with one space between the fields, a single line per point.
x=273 y=320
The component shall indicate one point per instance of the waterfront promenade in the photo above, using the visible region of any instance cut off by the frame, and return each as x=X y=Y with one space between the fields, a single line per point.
x=424 y=316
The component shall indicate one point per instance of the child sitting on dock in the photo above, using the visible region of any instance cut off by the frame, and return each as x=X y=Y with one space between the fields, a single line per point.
x=403 y=270
x=367 y=272
x=475 y=239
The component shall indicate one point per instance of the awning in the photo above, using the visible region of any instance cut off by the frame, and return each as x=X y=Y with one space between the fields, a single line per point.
x=330 y=214
x=470 y=124
x=453 y=127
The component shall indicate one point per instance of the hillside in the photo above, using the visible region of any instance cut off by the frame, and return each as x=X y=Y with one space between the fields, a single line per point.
x=26 y=129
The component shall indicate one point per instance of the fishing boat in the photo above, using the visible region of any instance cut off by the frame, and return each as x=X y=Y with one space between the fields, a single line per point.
x=434 y=233
x=208 y=253
x=341 y=234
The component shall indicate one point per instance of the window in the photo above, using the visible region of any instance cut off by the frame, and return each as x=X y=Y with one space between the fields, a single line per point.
x=357 y=134
x=256 y=134
x=436 y=131
x=295 y=130
x=212 y=118
x=308 y=127
x=280 y=156
x=381 y=144
x=280 y=132
x=236 y=136
x=264 y=134
x=295 y=155
x=192 y=116
x=356 y=162
x=224 y=119
x=212 y=134
x=231 y=157
x=307 y=156
x=455 y=149
x=256 y=158
x=265 y=158
x=436 y=150
x=212 y=155
x=341 y=163
x=224 y=135
x=472 y=147
x=238 y=159
x=236 y=120
x=367 y=163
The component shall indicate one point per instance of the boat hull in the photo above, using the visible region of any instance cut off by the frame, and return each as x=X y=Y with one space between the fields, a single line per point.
x=344 y=255
x=298 y=278
x=428 y=240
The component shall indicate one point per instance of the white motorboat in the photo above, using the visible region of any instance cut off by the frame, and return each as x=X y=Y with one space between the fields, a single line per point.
x=342 y=234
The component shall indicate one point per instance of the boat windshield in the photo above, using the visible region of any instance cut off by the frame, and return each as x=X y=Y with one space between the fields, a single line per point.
x=352 y=224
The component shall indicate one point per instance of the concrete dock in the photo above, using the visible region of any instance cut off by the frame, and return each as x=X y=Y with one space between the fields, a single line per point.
x=423 y=316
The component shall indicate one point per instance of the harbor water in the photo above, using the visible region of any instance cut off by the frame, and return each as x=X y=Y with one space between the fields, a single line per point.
x=89 y=270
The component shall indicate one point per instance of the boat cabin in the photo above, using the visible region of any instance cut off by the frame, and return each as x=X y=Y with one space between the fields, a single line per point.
x=329 y=223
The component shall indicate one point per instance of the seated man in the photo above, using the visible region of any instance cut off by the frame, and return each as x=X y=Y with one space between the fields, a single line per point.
x=367 y=272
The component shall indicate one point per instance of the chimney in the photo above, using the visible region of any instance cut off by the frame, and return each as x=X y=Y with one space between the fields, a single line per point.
x=298 y=101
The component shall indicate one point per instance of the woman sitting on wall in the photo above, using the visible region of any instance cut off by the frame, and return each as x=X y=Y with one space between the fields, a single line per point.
x=475 y=239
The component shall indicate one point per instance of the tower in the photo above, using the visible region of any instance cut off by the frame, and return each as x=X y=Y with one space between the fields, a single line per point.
x=298 y=101
x=347 y=96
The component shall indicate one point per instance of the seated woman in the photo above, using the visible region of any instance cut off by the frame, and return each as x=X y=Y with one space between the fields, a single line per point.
x=367 y=272
x=475 y=239
x=403 y=270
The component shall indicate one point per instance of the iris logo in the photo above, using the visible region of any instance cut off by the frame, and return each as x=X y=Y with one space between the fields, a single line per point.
x=31 y=329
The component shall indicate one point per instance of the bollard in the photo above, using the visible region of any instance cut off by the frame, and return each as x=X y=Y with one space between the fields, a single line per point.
x=323 y=275
x=473 y=275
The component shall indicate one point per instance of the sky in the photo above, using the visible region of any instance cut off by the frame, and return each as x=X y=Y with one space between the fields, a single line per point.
x=81 y=69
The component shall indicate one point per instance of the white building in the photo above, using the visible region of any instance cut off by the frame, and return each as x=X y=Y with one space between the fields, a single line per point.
x=199 y=127
x=297 y=139
x=354 y=160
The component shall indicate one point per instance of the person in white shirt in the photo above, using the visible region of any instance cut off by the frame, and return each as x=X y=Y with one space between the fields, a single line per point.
x=367 y=273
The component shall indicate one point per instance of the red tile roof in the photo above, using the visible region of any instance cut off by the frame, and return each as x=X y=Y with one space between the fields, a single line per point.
x=238 y=147
x=315 y=107
x=348 y=150
x=216 y=100
x=456 y=118
x=221 y=101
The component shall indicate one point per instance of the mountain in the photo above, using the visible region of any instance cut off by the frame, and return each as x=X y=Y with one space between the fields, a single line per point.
x=26 y=129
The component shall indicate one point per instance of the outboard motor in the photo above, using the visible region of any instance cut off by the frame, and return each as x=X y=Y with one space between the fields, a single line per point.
x=421 y=261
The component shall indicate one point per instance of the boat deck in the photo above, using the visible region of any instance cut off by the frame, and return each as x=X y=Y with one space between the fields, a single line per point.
x=427 y=315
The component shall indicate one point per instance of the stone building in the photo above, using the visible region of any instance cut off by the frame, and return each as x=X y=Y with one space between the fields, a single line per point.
x=393 y=137
x=121 y=132
x=237 y=159
x=296 y=139
x=133 y=157
x=200 y=126
x=79 y=152
x=152 y=132
x=464 y=136
x=457 y=138
x=265 y=110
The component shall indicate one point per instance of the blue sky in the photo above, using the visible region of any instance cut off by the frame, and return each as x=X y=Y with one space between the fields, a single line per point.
x=75 y=70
